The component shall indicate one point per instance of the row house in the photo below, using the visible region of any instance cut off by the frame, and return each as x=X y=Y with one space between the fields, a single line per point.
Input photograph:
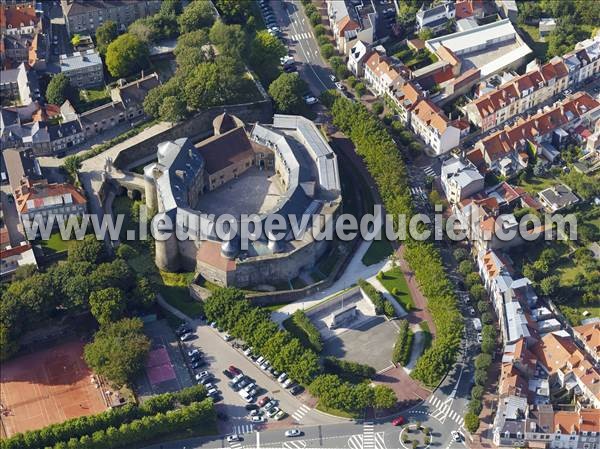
x=543 y=427
x=18 y=19
x=569 y=367
x=51 y=139
x=39 y=198
x=85 y=16
x=584 y=61
x=518 y=95
x=437 y=17
x=588 y=336
x=24 y=36
x=507 y=151
x=132 y=94
x=430 y=123
x=351 y=21
x=384 y=75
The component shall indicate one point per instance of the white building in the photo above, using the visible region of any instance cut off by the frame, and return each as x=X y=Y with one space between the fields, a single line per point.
x=460 y=179
x=431 y=124
x=437 y=17
x=84 y=69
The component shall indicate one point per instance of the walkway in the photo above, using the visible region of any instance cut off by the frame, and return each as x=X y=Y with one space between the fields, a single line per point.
x=178 y=313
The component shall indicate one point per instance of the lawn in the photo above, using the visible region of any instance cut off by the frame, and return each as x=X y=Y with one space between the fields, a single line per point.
x=174 y=288
x=533 y=40
x=335 y=412
x=394 y=282
x=535 y=184
x=378 y=250
x=92 y=98
x=55 y=244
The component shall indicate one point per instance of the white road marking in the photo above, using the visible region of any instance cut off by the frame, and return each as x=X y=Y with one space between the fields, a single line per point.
x=243 y=428
x=377 y=442
x=298 y=444
x=299 y=414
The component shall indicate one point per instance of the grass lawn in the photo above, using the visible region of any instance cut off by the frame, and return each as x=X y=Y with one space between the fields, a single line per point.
x=92 y=98
x=335 y=412
x=174 y=289
x=535 y=184
x=532 y=39
x=394 y=282
x=55 y=244
x=378 y=250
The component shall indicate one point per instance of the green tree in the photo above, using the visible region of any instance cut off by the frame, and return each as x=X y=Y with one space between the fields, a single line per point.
x=171 y=7
x=360 y=89
x=118 y=350
x=105 y=34
x=212 y=83
x=196 y=15
x=173 y=109
x=477 y=292
x=287 y=91
x=126 y=55
x=549 y=285
x=107 y=305
x=90 y=249
x=425 y=34
x=385 y=398
x=60 y=89
x=235 y=11
x=465 y=267
x=230 y=40
x=327 y=50
x=265 y=53
x=142 y=29
x=472 y=279
x=471 y=422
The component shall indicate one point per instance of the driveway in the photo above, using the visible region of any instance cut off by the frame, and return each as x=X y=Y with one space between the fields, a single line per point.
x=220 y=355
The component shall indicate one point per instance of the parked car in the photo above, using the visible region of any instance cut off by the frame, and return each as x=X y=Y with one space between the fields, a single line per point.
x=197 y=364
x=248 y=352
x=293 y=433
x=262 y=401
x=232 y=369
x=288 y=383
x=260 y=360
x=202 y=375
x=455 y=436
x=398 y=421
x=258 y=419
x=228 y=374
x=273 y=411
x=205 y=381
x=234 y=437
x=251 y=407
x=296 y=389
x=213 y=391
x=269 y=406
x=250 y=386
x=255 y=412
x=280 y=415
x=186 y=337
x=213 y=324
x=310 y=100
x=332 y=78
x=282 y=377
x=184 y=329
x=265 y=365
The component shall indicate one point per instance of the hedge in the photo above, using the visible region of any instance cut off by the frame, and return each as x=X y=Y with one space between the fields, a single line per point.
x=312 y=334
x=351 y=371
x=116 y=417
x=402 y=347
x=382 y=305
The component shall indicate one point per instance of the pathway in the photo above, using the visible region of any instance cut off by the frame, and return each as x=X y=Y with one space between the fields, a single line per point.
x=417 y=347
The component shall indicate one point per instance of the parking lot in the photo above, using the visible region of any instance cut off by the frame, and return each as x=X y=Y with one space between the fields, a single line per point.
x=370 y=343
x=220 y=355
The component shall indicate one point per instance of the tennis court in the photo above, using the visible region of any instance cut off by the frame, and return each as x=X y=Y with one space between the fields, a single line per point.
x=47 y=387
x=159 y=367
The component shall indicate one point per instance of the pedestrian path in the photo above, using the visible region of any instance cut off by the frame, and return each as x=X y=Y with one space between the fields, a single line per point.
x=299 y=414
x=443 y=411
x=429 y=171
x=368 y=435
x=377 y=442
x=243 y=428
x=294 y=444
x=235 y=445
x=297 y=37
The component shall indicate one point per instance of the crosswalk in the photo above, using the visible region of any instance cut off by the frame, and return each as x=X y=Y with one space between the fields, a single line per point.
x=443 y=411
x=429 y=171
x=295 y=444
x=243 y=428
x=299 y=414
x=235 y=445
x=368 y=435
x=377 y=442
x=297 y=37
x=418 y=192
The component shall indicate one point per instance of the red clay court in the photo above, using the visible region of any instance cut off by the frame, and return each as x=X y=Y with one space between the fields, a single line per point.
x=47 y=387
x=159 y=367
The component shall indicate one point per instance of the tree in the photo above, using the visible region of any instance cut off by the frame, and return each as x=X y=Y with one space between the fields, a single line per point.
x=230 y=40
x=107 y=305
x=477 y=292
x=142 y=29
x=105 y=34
x=287 y=91
x=212 y=83
x=471 y=422
x=360 y=89
x=425 y=34
x=173 y=109
x=89 y=249
x=460 y=254
x=483 y=361
x=327 y=50
x=235 y=11
x=465 y=267
x=549 y=285
x=472 y=279
x=118 y=350
x=385 y=398
x=60 y=89
x=126 y=55
x=171 y=7
x=539 y=168
x=196 y=15
x=265 y=53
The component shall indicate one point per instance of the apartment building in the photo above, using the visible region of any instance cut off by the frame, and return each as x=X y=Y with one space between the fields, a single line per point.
x=430 y=123
x=132 y=95
x=39 y=198
x=589 y=337
x=84 y=69
x=85 y=16
x=506 y=151
x=384 y=75
x=18 y=19
x=518 y=95
x=24 y=36
x=437 y=17
x=460 y=179
x=357 y=57
x=350 y=21
x=584 y=61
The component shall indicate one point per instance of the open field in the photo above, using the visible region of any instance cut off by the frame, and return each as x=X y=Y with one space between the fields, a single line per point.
x=47 y=387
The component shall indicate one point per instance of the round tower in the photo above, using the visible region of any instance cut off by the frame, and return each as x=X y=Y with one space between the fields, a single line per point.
x=150 y=187
x=166 y=245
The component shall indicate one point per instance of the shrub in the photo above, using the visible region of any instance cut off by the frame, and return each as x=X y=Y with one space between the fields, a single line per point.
x=349 y=371
x=477 y=392
x=315 y=18
x=481 y=376
x=376 y=298
x=377 y=108
x=401 y=352
x=320 y=30
x=475 y=406
x=360 y=89
x=471 y=422
x=352 y=81
x=314 y=337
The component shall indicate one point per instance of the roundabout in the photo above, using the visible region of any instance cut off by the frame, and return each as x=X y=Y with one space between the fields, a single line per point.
x=415 y=436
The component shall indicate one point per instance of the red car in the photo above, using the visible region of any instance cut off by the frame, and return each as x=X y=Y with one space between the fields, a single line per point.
x=262 y=401
x=398 y=421
x=234 y=370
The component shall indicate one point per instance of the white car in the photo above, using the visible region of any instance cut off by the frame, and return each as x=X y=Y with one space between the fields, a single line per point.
x=249 y=387
x=260 y=360
x=193 y=352
x=339 y=86
x=234 y=437
x=227 y=337
x=248 y=352
x=310 y=100
x=455 y=436
x=288 y=383
x=293 y=433
x=202 y=375
x=479 y=338
x=265 y=365
x=282 y=377
x=273 y=412
x=212 y=391
x=332 y=78
x=286 y=60
x=258 y=419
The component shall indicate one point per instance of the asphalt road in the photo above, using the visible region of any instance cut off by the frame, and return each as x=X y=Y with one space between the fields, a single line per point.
x=302 y=45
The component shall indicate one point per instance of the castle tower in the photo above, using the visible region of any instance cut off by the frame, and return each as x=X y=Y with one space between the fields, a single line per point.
x=167 y=249
x=150 y=187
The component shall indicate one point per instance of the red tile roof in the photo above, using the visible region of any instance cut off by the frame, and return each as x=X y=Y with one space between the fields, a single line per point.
x=15 y=16
x=431 y=114
x=346 y=24
x=40 y=191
